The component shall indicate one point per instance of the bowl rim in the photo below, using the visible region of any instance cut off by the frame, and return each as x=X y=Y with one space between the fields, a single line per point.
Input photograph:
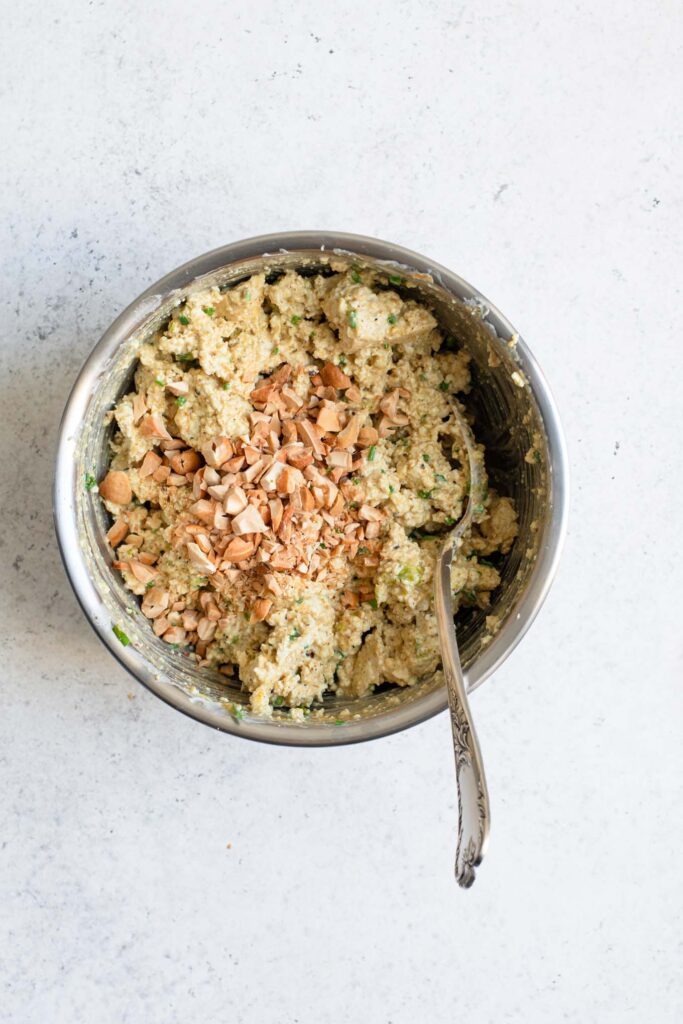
x=276 y=731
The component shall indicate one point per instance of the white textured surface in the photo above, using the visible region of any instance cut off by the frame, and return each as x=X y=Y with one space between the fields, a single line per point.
x=534 y=148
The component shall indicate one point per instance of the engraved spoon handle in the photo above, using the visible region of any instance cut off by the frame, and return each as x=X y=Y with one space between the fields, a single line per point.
x=474 y=815
x=474 y=812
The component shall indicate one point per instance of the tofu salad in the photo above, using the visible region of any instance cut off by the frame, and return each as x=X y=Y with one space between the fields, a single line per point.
x=282 y=477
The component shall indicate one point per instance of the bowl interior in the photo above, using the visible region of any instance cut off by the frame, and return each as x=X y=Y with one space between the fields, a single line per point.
x=507 y=419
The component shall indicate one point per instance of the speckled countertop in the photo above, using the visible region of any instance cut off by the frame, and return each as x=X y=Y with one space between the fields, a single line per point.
x=153 y=871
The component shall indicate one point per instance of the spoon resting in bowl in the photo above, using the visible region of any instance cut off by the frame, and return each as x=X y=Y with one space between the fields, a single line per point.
x=474 y=812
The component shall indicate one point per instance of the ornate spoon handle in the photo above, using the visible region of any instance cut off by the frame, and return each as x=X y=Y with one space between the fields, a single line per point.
x=474 y=813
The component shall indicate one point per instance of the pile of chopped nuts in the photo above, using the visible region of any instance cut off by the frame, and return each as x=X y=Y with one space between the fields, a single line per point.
x=279 y=500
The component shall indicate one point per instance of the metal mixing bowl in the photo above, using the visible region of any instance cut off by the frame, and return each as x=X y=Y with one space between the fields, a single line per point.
x=514 y=414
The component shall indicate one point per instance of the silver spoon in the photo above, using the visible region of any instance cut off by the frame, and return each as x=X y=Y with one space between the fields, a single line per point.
x=474 y=813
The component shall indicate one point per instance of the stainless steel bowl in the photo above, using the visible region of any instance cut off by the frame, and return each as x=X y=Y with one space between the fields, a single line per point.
x=514 y=414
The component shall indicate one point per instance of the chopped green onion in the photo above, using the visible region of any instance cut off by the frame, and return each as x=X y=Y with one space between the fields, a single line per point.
x=247 y=295
x=355 y=277
x=392 y=318
x=234 y=639
x=449 y=520
x=180 y=400
x=441 y=478
x=409 y=572
x=184 y=319
x=340 y=721
x=295 y=320
x=278 y=701
x=294 y=635
x=159 y=381
x=424 y=494
x=276 y=350
x=299 y=600
x=395 y=279
x=425 y=457
x=225 y=385
x=478 y=510
x=372 y=450
x=352 y=318
x=90 y=482
x=444 y=385
x=120 y=635
x=342 y=361
x=363 y=551
x=373 y=603
x=391 y=489
x=238 y=713
x=209 y=310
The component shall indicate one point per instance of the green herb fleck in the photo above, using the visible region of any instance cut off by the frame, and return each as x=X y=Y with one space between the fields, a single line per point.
x=342 y=361
x=425 y=457
x=295 y=320
x=355 y=277
x=340 y=721
x=159 y=381
x=392 y=318
x=395 y=279
x=278 y=701
x=424 y=494
x=323 y=546
x=354 y=505
x=299 y=600
x=470 y=595
x=120 y=635
x=149 y=584
x=294 y=635
x=209 y=310
x=225 y=385
x=478 y=510
x=184 y=319
x=186 y=357
x=372 y=451
x=449 y=520
x=90 y=482
x=276 y=350
x=441 y=478
x=537 y=456
x=247 y=295
x=364 y=551
x=373 y=603
x=180 y=400
x=352 y=318
x=391 y=489
x=238 y=713
x=234 y=639
x=444 y=385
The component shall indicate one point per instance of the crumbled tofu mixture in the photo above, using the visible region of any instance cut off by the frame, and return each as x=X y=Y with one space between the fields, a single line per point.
x=283 y=475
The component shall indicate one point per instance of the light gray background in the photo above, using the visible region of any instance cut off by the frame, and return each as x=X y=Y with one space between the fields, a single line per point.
x=535 y=149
